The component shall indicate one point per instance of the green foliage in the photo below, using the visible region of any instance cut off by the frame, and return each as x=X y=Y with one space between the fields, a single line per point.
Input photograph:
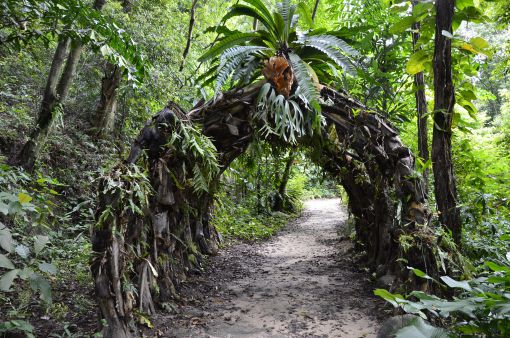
x=189 y=142
x=480 y=306
x=36 y=248
x=236 y=220
x=55 y=19
x=242 y=54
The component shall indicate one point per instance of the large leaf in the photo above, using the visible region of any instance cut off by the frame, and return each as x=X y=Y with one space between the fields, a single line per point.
x=456 y=284
x=334 y=54
x=39 y=283
x=305 y=82
x=261 y=8
x=6 y=242
x=48 y=268
x=7 y=280
x=334 y=41
x=5 y=262
x=226 y=43
x=40 y=242
x=417 y=62
x=418 y=328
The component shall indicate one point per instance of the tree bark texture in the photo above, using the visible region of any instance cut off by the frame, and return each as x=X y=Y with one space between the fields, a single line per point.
x=105 y=112
x=280 y=200
x=421 y=109
x=444 y=102
x=358 y=146
x=45 y=119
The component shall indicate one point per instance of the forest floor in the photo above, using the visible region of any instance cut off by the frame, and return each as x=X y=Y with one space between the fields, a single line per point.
x=301 y=283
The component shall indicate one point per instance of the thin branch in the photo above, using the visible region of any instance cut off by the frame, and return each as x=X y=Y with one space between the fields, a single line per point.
x=190 y=32
x=314 y=13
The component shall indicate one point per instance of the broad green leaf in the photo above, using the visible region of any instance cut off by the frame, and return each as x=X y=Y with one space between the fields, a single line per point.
x=39 y=283
x=24 y=198
x=48 y=268
x=304 y=13
x=418 y=328
x=402 y=25
x=456 y=284
x=40 y=242
x=6 y=262
x=479 y=43
x=226 y=43
x=419 y=273
x=496 y=267
x=417 y=62
x=22 y=250
x=388 y=296
x=4 y=208
x=6 y=241
x=7 y=280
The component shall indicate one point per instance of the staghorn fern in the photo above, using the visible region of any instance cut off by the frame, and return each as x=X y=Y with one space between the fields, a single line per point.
x=238 y=55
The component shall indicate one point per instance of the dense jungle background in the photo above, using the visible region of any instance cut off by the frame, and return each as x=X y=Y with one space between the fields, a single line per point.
x=80 y=79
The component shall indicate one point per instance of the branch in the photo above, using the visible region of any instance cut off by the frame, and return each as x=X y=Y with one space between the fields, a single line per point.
x=190 y=32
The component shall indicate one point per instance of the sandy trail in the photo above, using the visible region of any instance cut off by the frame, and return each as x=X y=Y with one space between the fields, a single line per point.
x=300 y=284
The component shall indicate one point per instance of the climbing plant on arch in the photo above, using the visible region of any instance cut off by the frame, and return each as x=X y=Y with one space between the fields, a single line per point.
x=153 y=222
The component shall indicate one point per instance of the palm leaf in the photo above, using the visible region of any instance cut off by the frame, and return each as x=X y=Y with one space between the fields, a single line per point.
x=306 y=86
x=227 y=42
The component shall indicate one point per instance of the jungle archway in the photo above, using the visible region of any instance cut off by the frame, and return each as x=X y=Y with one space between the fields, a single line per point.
x=153 y=221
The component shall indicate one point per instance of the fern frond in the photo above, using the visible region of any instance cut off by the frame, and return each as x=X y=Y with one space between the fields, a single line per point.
x=287 y=11
x=262 y=8
x=243 y=10
x=334 y=42
x=247 y=72
x=230 y=60
x=240 y=50
x=334 y=54
x=306 y=85
x=227 y=42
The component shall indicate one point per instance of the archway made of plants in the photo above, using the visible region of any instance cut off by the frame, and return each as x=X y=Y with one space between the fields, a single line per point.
x=153 y=218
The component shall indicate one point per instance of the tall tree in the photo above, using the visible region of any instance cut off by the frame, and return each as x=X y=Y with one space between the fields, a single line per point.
x=444 y=101
x=57 y=87
x=421 y=107
x=105 y=111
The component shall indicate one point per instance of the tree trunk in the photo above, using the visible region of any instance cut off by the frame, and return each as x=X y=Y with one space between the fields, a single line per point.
x=190 y=33
x=54 y=94
x=421 y=110
x=105 y=112
x=444 y=101
x=45 y=120
x=280 y=202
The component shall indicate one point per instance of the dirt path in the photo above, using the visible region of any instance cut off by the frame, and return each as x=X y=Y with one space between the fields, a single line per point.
x=300 y=284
